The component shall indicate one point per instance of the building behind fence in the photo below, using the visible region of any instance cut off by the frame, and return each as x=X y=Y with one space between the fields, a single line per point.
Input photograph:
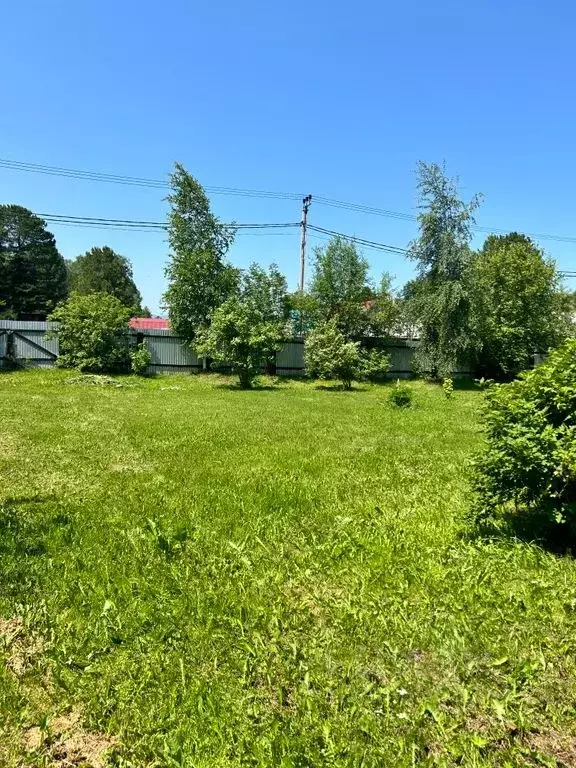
x=25 y=342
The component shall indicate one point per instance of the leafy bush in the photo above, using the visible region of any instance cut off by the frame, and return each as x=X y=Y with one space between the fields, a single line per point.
x=92 y=332
x=401 y=395
x=140 y=359
x=529 y=463
x=374 y=365
x=329 y=356
x=448 y=387
x=239 y=336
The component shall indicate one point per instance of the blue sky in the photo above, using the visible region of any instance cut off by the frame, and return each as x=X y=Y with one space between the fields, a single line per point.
x=335 y=99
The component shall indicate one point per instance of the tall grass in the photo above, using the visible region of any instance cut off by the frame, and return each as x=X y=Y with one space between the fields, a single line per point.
x=282 y=577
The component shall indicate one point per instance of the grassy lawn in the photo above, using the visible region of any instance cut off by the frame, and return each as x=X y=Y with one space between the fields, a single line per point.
x=195 y=576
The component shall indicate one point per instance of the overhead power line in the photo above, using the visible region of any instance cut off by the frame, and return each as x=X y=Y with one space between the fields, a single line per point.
x=141 y=225
x=16 y=165
x=361 y=240
x=113 y=178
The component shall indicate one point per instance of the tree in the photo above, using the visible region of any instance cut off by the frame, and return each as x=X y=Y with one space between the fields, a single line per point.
x=101 y=270
x=341 y=286
x=239 y=336
x=303 y=313
x=382 y=310
x=438 y=299
x=92 y=332
x=519 y=308
x=32 y=272
x=267 y=292
x=329 y=355
x=199 y=278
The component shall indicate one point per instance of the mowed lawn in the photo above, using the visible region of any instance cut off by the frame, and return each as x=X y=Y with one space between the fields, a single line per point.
x=196 y=576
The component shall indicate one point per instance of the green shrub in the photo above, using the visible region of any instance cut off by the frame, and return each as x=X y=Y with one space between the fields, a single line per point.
x=448 y=387
x=374 y=365
x=239 y=337
x=401 y=395
x=92 y=332
x=328 y=355
x=140 y=359
x=529 y=462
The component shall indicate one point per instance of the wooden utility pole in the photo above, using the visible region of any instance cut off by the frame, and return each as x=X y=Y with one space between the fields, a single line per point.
x=305 y=205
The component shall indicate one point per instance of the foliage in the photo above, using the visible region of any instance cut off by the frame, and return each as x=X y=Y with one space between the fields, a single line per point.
x=383 y=310
x=215 y=580
x=32 y=272
x=340 y=286
x=241 y=337
x=140 y=359
x=374 y=364
x=102 y=270
x=519 y=309
x=439 y=299
x=328 y=355
x=303 y=313
x=199 y=277
x=448 y=387
x=266 y=292
x=401 y=395
x=529 y=461
x=92 y=332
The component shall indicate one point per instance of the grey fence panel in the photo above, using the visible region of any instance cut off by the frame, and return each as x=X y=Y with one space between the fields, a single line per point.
x=290 y=358
x=401 y=355
x=169 y=352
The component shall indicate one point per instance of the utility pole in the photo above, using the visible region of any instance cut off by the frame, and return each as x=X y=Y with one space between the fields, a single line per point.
x=305 y=205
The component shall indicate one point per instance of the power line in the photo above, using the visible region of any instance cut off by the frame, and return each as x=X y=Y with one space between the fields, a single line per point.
x=147 y=226
x=16 y=165
x=114 y=178
x=361 y=240
x=141 y=225
x=138 y=224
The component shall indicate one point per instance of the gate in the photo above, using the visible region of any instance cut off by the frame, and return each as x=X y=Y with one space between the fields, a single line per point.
x=25 y=342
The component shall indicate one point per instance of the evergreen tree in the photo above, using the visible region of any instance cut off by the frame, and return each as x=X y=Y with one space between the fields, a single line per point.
x=102 y=270
x=32 y=272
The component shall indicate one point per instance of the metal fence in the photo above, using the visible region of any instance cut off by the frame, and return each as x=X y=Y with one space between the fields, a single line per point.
x=26 y=341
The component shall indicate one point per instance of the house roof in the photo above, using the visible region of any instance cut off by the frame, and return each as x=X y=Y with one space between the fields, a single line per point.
x=149 y=323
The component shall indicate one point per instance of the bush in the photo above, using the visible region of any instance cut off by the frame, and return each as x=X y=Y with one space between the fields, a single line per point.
x=401 y=395
x=239 y=337
x=448 y=387
x=329 y=356
x=529 y=462
x=140 y=359
x=92 y=332
x=374 y=365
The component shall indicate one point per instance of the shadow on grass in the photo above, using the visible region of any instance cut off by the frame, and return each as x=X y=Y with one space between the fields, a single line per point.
x=231 y=387
x=532 y=527
x=339 y=388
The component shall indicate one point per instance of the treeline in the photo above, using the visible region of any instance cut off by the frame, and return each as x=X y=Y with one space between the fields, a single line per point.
x=494 y=308
x=35 y=278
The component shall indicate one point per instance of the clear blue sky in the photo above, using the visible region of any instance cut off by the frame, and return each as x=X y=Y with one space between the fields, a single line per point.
x=333 y=98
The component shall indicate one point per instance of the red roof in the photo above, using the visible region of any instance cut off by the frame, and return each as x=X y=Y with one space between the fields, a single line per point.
x=149 y=323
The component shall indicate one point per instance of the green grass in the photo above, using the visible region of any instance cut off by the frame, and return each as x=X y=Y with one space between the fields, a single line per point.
x=280 y=577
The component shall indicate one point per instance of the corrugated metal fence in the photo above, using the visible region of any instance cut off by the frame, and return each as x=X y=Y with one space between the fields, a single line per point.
x=170 y=354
